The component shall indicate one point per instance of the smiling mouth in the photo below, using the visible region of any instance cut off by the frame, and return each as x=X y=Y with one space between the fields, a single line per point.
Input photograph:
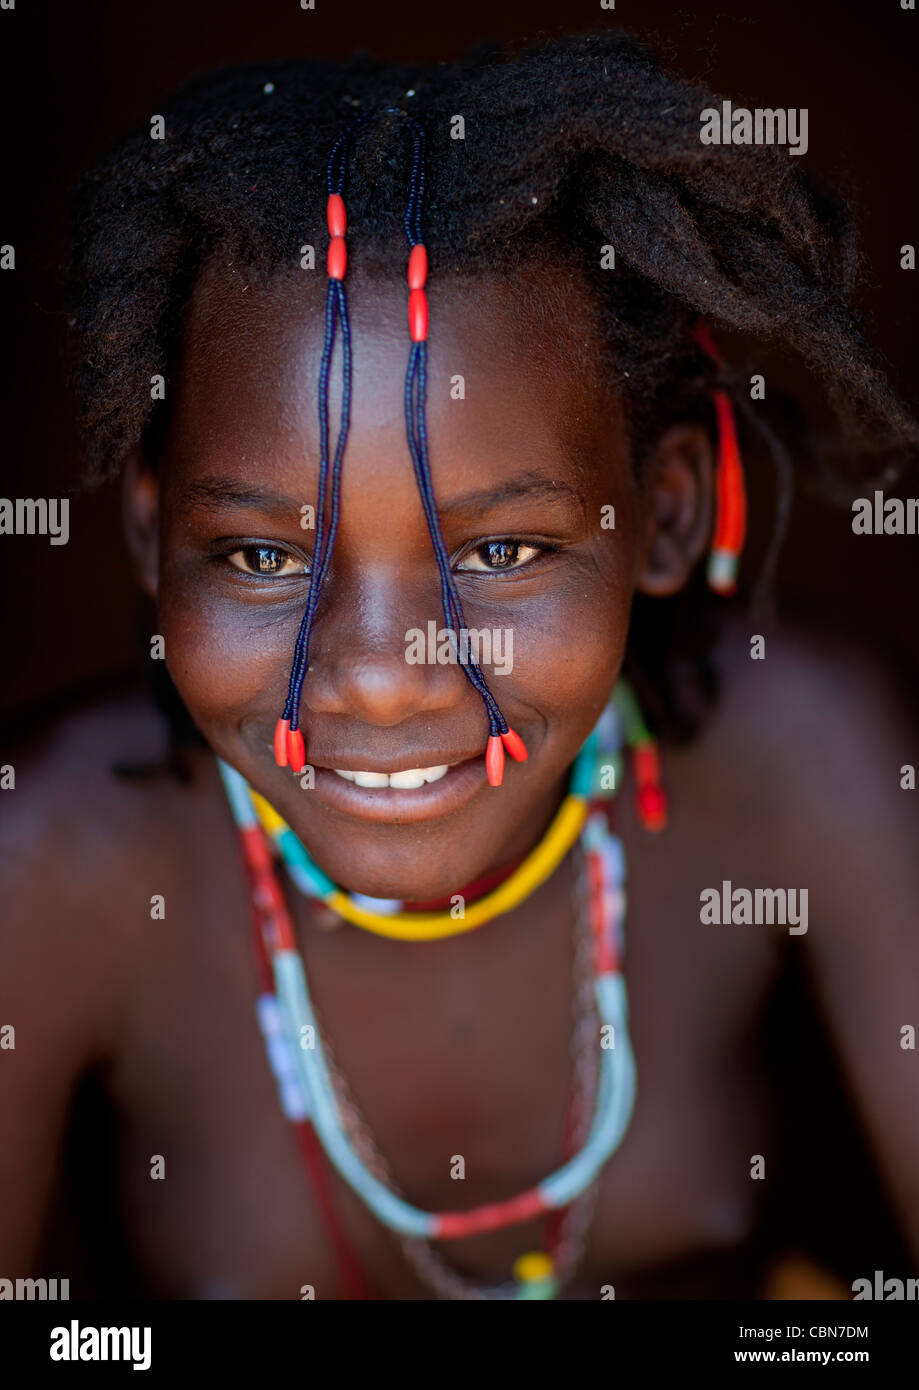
x=408 y=779
x=402 y=796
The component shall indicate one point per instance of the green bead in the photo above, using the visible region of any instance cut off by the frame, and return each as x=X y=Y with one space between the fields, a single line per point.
x=538 y=1288
x=294 y=853
x=630 y=713
x=582 y=773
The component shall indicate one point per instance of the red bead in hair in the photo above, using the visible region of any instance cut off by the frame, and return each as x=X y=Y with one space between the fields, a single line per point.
x=296 y=750
x=703 y=336
x=494 y=761
x=730 y=492
x=515 y=746
x=335 y=215
x=730 y=525
x=281 y=730
x=337 y=259
x=417 y=267
x=418 y=315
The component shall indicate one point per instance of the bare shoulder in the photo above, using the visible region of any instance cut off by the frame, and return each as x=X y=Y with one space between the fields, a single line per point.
x=809 y=690
x=818 y=731
x=89 y=790
x=78 y=838
x=825 y=739
x=75 y=838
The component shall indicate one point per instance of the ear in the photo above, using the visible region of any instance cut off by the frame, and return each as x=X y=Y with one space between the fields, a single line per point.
x=141 y=510
x=678 y=499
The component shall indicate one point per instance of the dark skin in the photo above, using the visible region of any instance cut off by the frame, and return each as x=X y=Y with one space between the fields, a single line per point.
x=459 y=1046
x=524 y=457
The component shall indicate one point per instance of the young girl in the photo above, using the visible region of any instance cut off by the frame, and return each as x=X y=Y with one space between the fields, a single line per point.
x=404 y=540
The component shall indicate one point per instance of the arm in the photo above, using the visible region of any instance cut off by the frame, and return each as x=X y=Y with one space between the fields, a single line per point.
x=854 y=843
x=55 y=985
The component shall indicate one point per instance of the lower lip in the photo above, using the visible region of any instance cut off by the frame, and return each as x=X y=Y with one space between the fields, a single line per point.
x=401 y=805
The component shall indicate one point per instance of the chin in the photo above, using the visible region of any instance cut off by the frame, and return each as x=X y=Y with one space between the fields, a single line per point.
x=411 y=886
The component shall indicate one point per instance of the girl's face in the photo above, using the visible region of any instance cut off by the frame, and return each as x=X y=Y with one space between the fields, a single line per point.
x=527 y=449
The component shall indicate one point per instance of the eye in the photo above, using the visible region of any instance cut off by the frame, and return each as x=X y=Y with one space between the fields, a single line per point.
x=268 y=561
x=491 y=557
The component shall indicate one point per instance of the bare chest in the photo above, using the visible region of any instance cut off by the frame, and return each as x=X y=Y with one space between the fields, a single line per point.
x=471 y=1061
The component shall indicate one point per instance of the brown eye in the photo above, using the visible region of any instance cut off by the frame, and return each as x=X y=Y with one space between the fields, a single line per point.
x=270 y=561
x=503 y=554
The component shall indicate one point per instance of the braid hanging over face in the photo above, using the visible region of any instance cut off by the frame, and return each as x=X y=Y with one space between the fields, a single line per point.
x=289 y=745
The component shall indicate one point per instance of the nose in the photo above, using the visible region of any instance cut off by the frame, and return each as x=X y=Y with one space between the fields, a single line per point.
x=359 y=664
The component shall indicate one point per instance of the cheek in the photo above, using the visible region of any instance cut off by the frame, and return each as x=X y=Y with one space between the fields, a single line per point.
x=577 y=642
x=568 y=646
x=229 y=659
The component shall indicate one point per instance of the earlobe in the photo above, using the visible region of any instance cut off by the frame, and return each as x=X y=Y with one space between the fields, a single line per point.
x=140 y=509
x=678 y=504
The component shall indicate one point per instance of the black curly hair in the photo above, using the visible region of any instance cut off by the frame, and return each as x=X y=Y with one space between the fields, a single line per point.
x=570 y=146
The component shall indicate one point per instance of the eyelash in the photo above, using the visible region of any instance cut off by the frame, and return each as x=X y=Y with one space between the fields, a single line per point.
x=229 y=556
x=542 y=550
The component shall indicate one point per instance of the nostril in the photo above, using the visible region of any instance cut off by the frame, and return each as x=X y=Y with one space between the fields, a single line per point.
x=380 y=689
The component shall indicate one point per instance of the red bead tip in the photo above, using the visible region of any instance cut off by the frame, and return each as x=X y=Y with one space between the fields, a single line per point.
x=515 y=746
x=494 y=761
x=296 y=750
x=281 y=730
x=652 y=807
x=417 y=267
x=335 y=215
x=337 y=258
x=418 y=315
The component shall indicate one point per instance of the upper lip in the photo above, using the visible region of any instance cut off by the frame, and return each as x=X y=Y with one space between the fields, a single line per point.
x=350 y=763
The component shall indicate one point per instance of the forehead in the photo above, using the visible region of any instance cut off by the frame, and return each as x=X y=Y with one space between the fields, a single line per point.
x=513 y=368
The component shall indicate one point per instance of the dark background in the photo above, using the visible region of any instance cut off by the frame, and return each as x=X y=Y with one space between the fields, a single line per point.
x=76 y=77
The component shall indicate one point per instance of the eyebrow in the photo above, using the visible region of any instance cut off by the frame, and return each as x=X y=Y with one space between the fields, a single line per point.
x=531 y=485
x=214 y=493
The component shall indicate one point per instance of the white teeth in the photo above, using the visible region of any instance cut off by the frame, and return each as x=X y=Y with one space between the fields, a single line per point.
x=410 y=778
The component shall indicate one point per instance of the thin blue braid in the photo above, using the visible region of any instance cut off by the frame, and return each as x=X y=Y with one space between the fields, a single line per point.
x=415 y=382
x=336 y=302
x=291 y=707
x=416 y=430
x=453 y=609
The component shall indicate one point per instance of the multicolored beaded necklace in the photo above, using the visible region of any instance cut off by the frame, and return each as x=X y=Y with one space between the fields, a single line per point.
x=566 y=1237
x=299 y=1056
